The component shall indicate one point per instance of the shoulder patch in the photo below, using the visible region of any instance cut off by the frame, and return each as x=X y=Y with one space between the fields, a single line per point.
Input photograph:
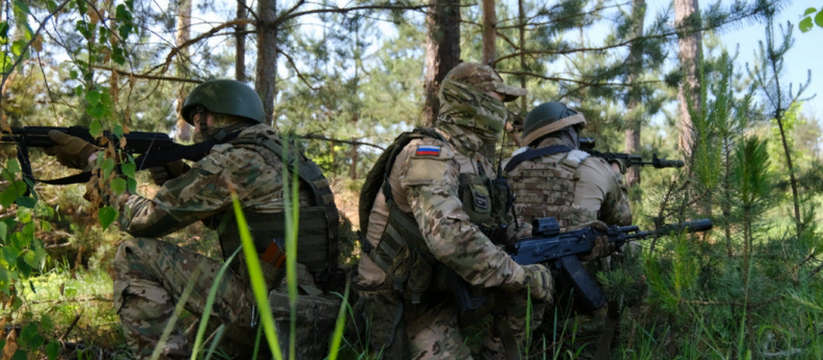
x=575 y=157
x=427 y=163
x=427 y=150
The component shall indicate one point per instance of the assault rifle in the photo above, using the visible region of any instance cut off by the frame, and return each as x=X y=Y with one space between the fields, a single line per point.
x=559 y=251
x=587 y=144
x=155 y=149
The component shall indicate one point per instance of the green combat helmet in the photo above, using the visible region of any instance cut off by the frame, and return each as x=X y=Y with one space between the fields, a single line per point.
x=548 y=118
x=225 y=96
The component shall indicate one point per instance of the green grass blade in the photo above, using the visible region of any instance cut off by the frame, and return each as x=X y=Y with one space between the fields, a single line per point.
x=216 y=341
x=257 y=343
x=178 y=309
x=258 y=284
x=292 y=212
x=204 y=319
x=339 y=326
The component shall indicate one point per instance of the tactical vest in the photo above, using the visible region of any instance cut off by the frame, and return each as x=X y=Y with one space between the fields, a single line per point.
x=317 y=226
x=546 y=188
x=402 y=251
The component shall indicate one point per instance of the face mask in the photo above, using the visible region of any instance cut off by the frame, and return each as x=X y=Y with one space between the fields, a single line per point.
x=467 y=106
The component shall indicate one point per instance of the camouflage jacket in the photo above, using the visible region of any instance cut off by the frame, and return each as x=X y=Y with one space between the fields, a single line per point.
x=572 y=186
x=425 y=183
x=205 y=190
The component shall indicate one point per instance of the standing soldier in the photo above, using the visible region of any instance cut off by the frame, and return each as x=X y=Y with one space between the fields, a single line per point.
x=150 y=275
x=430 y=211
x=551 y=177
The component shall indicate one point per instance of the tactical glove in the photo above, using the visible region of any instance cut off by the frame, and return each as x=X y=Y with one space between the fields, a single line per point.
x=71 y=151
x=621 y=165
x=602 y=247
x=161 y=174
x=540 y=283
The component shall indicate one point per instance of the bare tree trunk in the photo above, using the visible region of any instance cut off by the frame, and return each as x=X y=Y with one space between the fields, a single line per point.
x=489 y=32
x=240 y=43
x=184 y=130
x=442 y=51
x=687 y=14
x=635 y=63
x=354 y=160
x=266 y=56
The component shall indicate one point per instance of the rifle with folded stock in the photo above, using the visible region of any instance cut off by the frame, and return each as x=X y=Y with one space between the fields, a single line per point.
x=559 y=250
x=587 y=144
x=154 y=148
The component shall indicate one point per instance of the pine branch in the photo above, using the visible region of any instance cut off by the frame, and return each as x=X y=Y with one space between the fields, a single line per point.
x=207 y=34
x=148 y=77
x=552 y=21
x=581 y=82
x=627 y=42
x=351 y=142
x=294 y=66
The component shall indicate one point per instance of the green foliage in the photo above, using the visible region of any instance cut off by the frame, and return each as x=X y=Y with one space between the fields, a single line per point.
x=811 y=17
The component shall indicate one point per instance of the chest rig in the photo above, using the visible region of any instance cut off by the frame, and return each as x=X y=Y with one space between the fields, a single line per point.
x=402 y=252
x=318 y=224
x=546 y=188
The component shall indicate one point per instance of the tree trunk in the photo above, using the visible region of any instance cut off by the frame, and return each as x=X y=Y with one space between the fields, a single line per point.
x=442 y=51
x=240 y=43
x=489 y=32
x=266 y=56
x=687 y=14
x=635 y=65
x=354 y=160
x=184 y=130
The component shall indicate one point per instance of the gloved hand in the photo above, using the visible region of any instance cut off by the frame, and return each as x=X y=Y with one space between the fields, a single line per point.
x=71 y=151
x=540 y=282
x=619 y=165
x=161 y=174
x=602 y=246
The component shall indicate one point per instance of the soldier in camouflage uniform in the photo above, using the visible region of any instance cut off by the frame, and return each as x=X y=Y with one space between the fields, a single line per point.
x=582 y=189
x=150 y=275
x=551 y=177
x=432 y=214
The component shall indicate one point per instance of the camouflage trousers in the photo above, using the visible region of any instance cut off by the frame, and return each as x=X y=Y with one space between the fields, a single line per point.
x=433 y=331
x=151 y=275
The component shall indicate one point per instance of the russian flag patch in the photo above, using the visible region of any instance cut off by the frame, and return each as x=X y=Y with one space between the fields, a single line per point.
x=428 y=150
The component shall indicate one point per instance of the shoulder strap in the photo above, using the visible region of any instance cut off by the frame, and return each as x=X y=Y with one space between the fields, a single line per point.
x=536 y=153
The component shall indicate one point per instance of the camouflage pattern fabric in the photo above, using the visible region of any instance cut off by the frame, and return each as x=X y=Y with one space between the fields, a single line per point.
x=205 y=190
x=575 y=190
x=150 y=275
x=426 y=185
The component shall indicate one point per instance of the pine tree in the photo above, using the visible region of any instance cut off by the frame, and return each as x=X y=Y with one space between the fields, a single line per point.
x=442 y=51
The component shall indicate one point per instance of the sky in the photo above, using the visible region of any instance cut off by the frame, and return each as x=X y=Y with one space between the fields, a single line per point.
x=805 y=55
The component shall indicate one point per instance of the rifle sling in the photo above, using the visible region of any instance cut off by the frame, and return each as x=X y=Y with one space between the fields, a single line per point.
x=536 y=153
x=192 y=152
